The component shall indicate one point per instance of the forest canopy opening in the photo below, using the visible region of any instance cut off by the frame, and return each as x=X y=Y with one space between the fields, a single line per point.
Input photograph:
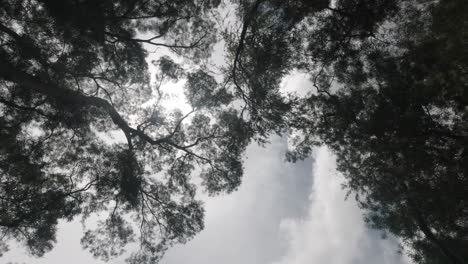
x=388 y=95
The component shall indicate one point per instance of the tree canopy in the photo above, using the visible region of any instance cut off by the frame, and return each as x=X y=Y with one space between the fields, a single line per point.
x=73 y=71
x=388 y=95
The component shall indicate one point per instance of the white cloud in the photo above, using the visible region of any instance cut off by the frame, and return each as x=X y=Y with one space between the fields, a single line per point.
x=333 y=231
x=243 y=227
x=297 y=83
x=279 y=216
x=282 y=214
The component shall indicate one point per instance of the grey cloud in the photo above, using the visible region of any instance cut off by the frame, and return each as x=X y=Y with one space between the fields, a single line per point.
x=282 y=214
x=243 y=227
x=334 y=232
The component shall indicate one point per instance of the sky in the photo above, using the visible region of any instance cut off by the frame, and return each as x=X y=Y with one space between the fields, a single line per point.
x=283 y=213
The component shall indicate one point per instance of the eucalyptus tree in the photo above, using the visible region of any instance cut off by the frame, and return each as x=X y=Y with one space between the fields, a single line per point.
x=74 y=72
x=388 y=96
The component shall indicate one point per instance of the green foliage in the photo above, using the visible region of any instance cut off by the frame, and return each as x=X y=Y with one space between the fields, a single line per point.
x=202 y=91
x=73 y=73
x=389 y=98
x=169 y=68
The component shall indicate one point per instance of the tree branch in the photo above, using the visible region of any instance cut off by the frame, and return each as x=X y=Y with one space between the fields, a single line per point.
x=150 y=41
x=247 y=19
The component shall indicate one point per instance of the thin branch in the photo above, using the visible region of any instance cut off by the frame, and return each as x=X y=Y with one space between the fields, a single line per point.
x=150 y=41
x=177 y=127
x=85 y=188
x=319 y=90
x=14 y=105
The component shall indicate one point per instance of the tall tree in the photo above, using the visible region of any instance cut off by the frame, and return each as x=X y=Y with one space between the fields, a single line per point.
x=73 y=72
x=390 y=98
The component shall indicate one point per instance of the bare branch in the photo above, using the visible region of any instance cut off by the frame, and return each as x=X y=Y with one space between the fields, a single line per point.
x=150 y=41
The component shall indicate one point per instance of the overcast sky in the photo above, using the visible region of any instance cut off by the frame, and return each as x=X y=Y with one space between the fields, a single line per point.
x=282 y=214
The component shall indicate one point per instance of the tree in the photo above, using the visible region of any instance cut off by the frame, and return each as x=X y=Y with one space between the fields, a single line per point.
x=73 y=72
x=390 y=100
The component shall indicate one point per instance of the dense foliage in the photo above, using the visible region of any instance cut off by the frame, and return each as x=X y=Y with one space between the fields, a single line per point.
x=388 y=94
x=74 y=73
